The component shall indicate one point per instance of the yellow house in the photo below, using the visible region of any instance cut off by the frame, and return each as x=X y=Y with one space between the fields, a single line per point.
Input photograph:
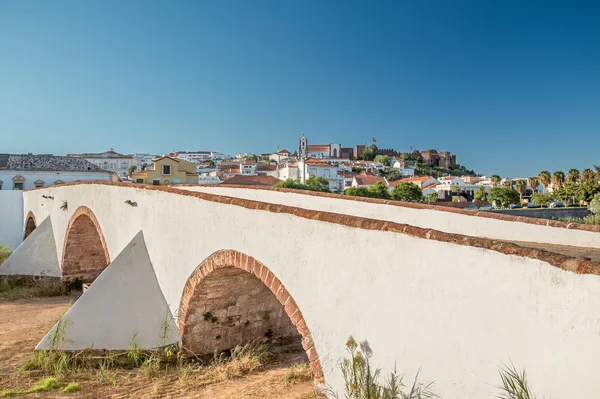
x=167 y=170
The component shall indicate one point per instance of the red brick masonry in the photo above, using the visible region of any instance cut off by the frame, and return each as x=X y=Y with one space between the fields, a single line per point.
x=30 y=225
x=85 y=254
x=227 y=258
x=578 y=265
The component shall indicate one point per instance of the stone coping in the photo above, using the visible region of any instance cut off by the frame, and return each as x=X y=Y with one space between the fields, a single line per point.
x=577 y=265
x=417 y=205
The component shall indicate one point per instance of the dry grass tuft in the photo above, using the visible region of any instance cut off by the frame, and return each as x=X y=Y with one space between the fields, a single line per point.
x=12 y=291
x=298 y=373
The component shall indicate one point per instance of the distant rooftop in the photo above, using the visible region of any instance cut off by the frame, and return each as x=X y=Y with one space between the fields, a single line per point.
x=46 y=163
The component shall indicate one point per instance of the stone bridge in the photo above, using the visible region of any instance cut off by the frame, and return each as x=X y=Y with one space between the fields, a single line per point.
x=453 y=293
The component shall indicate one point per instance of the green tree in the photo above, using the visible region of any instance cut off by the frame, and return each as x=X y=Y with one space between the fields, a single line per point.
x=131 y=170
x=431 y=197
x=291 y=183
x=558 y=179
x=358 y=191
x=545 y=179
x=408 y=192
x=144 y=166
x=540 y=198
x=314 y=183
x=480 y=194
x=572 y=176
x=495 y=180
x=379 y=190
x=587 y=175
x=503 y=196
x=587 y=189
x=383 y=159
x=370 y=153
x=534 y=182
x=521 y=187
x=594 y=205
x=507 y=184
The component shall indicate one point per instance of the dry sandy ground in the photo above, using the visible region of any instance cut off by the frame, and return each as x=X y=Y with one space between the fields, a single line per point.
x=24 y=322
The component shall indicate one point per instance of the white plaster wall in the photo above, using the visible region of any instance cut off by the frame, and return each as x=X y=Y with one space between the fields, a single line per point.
x=438 y=220
x=457 y=312
x=11 y=218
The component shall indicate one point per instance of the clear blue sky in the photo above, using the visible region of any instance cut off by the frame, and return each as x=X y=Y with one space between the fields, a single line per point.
x=510 y=86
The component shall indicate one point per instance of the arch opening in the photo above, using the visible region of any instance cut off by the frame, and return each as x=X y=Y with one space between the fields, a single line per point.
x=30 y=225
x=232 y=299
x=85 y=255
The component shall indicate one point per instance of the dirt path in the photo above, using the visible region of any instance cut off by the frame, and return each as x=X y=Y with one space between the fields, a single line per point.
x=23 y=323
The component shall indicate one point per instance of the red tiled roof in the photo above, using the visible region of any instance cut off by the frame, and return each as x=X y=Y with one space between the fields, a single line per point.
x=420 y=178
x=316 y=162
x=284 y=152
x=253 y=180
x=267 y=167
x=318 y=147
x=368 y=180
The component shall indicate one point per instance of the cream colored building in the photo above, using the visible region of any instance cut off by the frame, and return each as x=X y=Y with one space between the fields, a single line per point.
x=167 y=171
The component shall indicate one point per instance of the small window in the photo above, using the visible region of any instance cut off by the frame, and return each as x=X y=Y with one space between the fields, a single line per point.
x=38 y=183
x=139 y=180
x=190 y=181
x=326 y=173
x=166 y=170
x=176 y=181
x=17 y=186
x=156 y=182
x=313 y=171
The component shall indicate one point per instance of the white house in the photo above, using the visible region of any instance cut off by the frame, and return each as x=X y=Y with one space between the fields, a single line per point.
x=23 y=172
x=316 y=167
x=280 y=156
x=404 y=169
x=289 y=171
x=248 y=168
x=112 y=161
x=421 y=181
x=367 y=180
x=195 y=157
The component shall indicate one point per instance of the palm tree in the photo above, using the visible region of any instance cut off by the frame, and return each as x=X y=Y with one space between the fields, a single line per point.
x=495 y=180
x=534 y=182
x=131 y=170
x=558 y=179
x=572 y=176
x=587 y=174
x=507 y=184
x=545 y=179
x=521 y=188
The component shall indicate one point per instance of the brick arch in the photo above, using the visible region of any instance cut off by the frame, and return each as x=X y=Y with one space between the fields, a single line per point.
x=30 y=224
x=85 y=254
x=193 y=299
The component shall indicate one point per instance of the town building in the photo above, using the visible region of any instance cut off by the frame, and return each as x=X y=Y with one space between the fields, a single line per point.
x=196 y=157
x=421 y=181
x=112 y=161
x=289 y=170
x=323 y=151
x=318 y=168
x=248 y=168
x=167 y=171
x=404 y=168
x=23 y=172
x=367 y=180
x=280 y=156
x=443 y=159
